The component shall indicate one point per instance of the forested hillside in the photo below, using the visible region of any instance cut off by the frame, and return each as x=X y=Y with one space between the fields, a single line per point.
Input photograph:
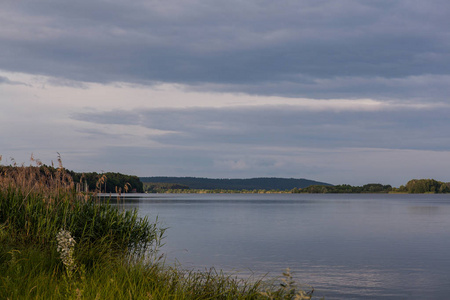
x=263 y=183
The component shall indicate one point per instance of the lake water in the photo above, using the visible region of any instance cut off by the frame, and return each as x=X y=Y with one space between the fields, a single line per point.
x=347 y=246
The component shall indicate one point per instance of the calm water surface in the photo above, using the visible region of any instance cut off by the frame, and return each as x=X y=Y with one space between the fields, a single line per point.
x=346 y=246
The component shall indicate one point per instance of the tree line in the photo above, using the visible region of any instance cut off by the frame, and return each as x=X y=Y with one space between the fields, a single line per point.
x=420 y=186
x=345 y=188
x=111 y=182
x=108 y=182
x=414 y=186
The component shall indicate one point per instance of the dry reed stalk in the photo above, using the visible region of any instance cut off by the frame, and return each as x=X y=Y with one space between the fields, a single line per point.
x=36 y=179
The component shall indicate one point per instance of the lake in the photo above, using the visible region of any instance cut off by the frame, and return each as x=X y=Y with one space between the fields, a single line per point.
x=347 y=246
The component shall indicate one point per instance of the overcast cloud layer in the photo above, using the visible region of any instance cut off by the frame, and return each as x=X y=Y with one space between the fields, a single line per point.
x=339 y=91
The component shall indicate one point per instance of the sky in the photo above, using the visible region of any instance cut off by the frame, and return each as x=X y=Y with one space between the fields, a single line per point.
x=339 y=91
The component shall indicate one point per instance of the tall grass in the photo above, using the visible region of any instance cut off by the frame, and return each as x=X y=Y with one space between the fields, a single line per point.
x=57 y=242
x=35 y=203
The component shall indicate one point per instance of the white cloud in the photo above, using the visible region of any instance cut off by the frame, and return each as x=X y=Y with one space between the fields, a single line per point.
x=69 y=95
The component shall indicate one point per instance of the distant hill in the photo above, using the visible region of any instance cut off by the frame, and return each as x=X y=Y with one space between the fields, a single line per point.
x=236 y=184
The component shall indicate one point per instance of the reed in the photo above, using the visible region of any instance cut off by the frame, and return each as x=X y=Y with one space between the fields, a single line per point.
x=36 y=203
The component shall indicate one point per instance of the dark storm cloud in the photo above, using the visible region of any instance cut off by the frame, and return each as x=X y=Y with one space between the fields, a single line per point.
x=289 y=126
x=426 y=88
x=318 y=49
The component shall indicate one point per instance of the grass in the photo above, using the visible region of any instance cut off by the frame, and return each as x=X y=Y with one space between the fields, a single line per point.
x=57 y=242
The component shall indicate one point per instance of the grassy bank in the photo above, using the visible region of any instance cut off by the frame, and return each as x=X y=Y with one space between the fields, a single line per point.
x=59 y=243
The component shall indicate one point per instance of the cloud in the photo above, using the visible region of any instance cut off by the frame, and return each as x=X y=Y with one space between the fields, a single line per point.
x=411 y=89
x=330 y=90
x=288 y=126
x=316 y=49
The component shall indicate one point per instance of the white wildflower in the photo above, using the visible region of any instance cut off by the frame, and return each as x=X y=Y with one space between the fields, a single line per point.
x=66 y=245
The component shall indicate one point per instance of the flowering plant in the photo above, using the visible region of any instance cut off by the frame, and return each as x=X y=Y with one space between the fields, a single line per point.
x=66 y=246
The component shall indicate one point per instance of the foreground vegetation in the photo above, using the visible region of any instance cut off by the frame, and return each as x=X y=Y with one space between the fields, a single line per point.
x=59 y=242
x=108 y=182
